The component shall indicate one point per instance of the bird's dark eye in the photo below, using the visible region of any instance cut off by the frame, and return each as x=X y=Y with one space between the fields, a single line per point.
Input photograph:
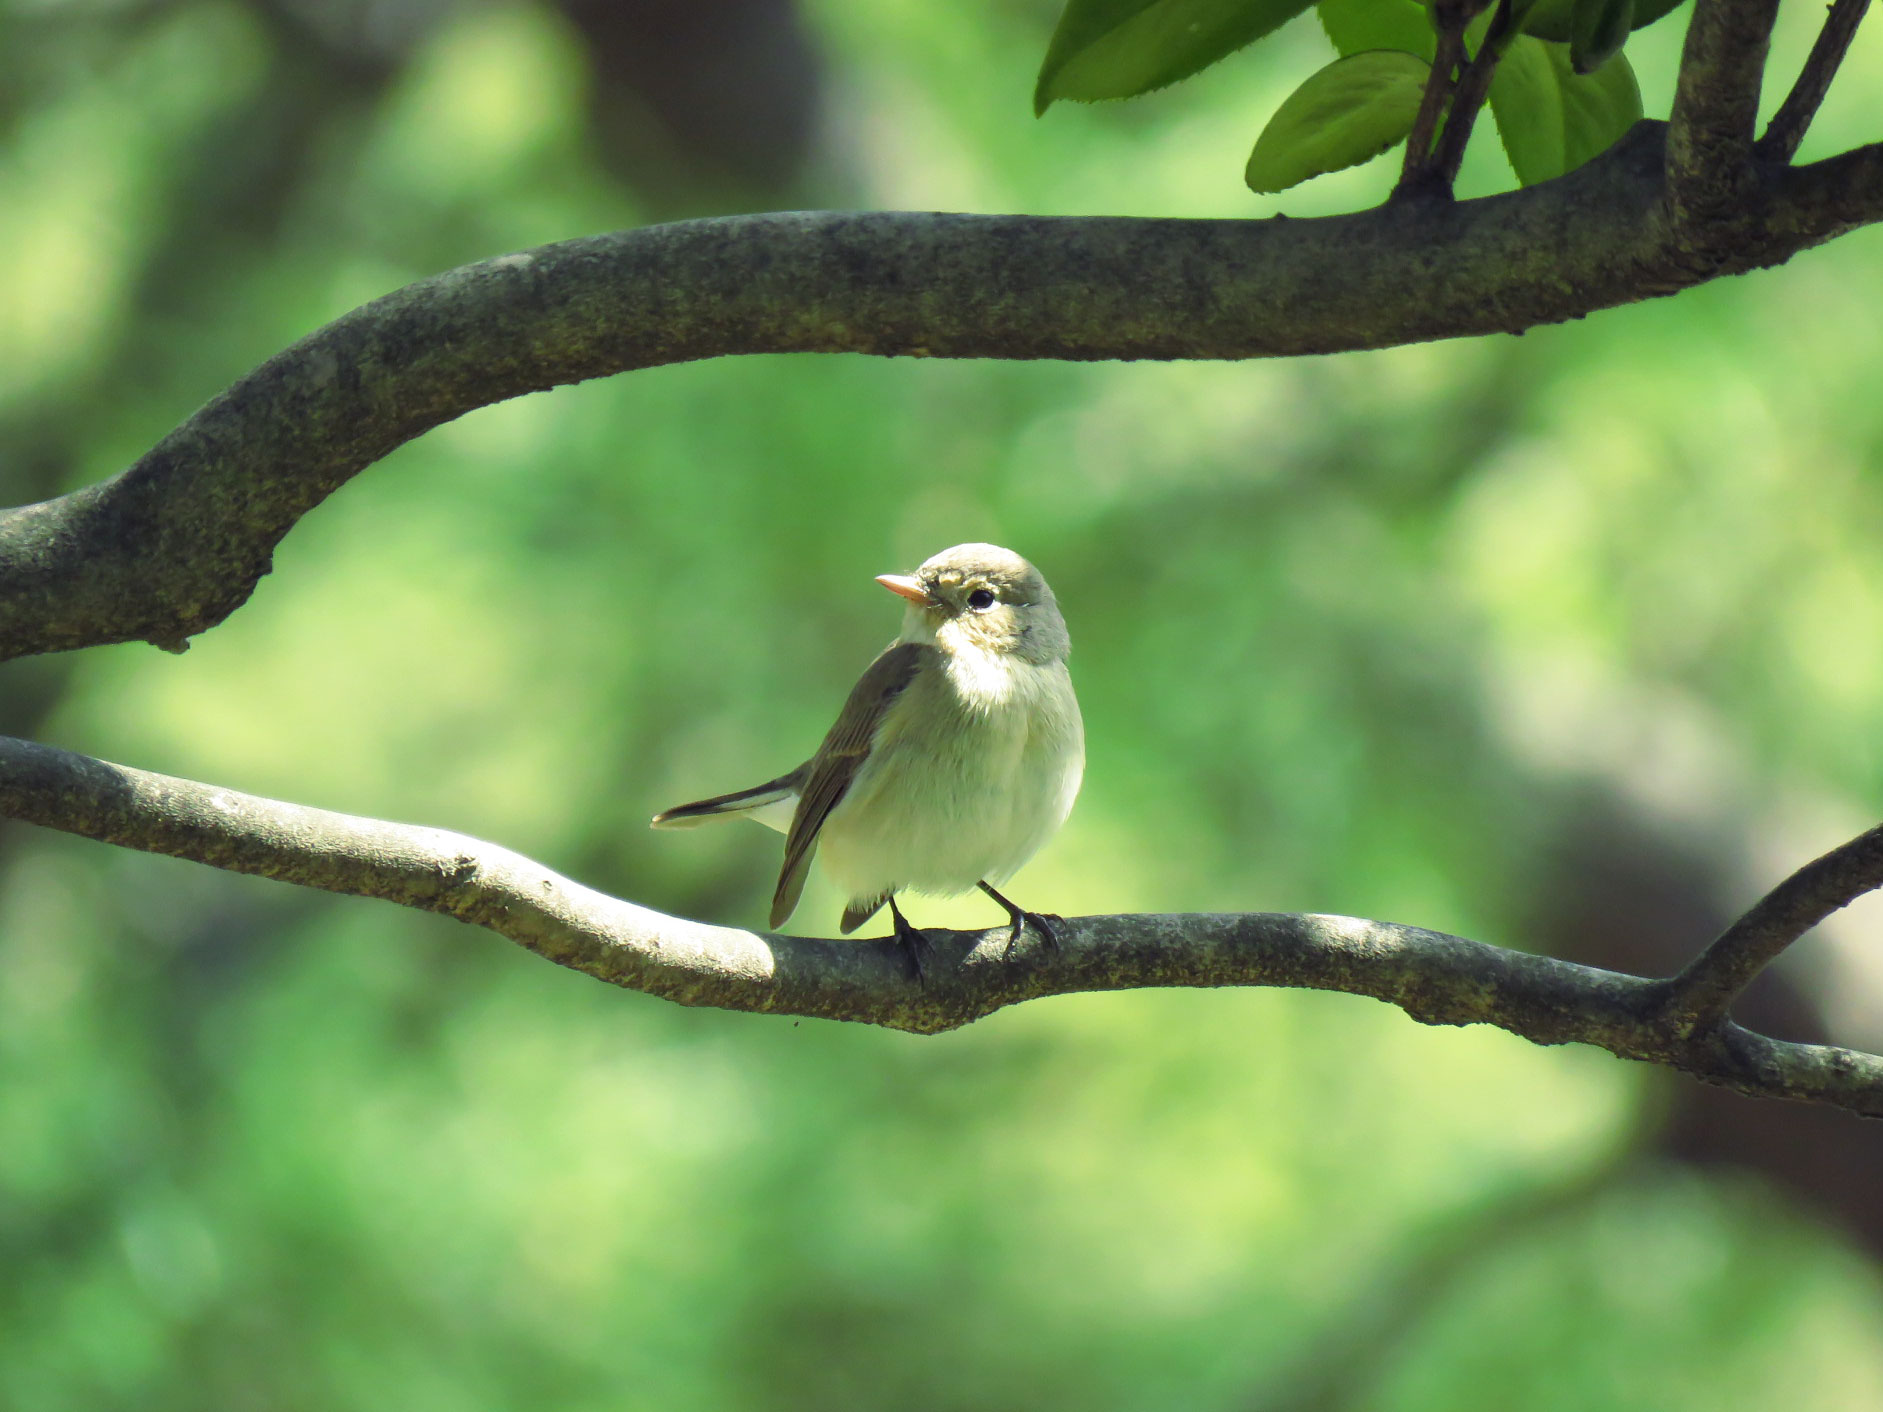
x=980 y=600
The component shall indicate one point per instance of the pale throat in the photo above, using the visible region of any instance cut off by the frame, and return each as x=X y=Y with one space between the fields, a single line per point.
x=984 y=679
x=917 y=626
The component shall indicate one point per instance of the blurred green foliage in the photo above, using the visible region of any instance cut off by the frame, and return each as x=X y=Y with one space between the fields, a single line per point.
x=1351 y=635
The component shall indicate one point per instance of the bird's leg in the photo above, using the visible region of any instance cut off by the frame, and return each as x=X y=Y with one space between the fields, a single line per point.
x=1045 y=923
x=914 y=942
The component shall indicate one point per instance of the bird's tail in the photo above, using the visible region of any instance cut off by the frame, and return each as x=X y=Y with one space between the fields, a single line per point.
x=770 y=803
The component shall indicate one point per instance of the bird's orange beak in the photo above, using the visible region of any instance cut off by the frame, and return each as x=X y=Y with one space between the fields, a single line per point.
x=903 y=586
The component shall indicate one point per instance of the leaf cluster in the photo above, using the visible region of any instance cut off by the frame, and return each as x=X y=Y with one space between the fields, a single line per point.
x=1562 y=90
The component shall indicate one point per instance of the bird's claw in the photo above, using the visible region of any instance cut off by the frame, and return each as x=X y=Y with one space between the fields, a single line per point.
x=915 y=945
x=1047 y=924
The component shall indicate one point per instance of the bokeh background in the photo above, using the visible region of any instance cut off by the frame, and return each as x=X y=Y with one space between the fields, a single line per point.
x=1571 y=641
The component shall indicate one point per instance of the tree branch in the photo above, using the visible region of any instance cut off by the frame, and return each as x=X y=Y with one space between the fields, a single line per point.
x=1711 y=177
x=1842 y=192
x=177 y=542
x=1456 y=91
x=1416 y=173
x=1474 y=87
x=1700 y=995
x=1435 y=978
x=1794 y=115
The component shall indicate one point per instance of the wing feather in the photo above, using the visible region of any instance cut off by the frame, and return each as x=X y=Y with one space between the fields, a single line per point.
x=827 y=776
x=740 y=801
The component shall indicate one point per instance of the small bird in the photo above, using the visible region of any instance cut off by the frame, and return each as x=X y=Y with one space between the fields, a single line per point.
x=957 y=755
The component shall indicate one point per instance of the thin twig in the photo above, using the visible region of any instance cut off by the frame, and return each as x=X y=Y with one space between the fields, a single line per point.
x=1699 y=997
x=1415 y=174
x=1794 y=115
x=1474 y=86
x=1435 y=978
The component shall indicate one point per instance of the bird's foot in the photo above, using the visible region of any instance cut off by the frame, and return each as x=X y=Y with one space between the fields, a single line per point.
x=915 y=943
x=1046 y=924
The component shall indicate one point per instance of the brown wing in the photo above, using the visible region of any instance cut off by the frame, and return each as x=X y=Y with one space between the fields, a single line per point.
x=827 y=776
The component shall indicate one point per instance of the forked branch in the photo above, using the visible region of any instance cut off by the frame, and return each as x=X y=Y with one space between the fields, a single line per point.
x=1435 y=978
x=1699 y=996
x=1418 y=173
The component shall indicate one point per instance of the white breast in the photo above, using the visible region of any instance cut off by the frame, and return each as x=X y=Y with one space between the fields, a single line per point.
x=974 y=768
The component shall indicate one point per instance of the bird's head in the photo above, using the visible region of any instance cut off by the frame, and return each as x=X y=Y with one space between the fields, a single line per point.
x=981 y=597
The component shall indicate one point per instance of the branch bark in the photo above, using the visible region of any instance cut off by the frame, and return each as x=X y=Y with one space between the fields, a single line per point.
x=1416 y=172
x=1700 y=995
x=174 y=544
x=1794 y=115
x=1435 y=978
x=1468 y=99
x=1714 y=187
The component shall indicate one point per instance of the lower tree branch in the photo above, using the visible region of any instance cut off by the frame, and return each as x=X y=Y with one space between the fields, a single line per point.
x=1435 y=978
x=178 y=541
x=1700 y=995
x=1794 y=115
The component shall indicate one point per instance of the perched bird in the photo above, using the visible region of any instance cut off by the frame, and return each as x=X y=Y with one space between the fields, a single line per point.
x=957 y=755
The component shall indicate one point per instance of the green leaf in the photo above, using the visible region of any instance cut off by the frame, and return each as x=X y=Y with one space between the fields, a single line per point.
x=1555 y=20
x=1600 y=29
x=1349 y=112
x=1355 y=26
x=1648 y=11
x=1553 y=119
x=1527 y=102
x=1597 y=109
x=1475 y=29
x=1121 y=48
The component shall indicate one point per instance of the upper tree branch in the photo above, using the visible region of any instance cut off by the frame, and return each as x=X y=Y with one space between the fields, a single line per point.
x=1712 y=182
x=177 y=542
x=1794 y=115
x=1842 y=191
x=1439 y=979
x=1468 y=99
x=1416 y=175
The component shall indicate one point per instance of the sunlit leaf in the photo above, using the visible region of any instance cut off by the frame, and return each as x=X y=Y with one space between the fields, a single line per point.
x=1552 y=119
x=1352 y=110
x=1355 y=26
x=1120 y=48
x=1599 y=30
